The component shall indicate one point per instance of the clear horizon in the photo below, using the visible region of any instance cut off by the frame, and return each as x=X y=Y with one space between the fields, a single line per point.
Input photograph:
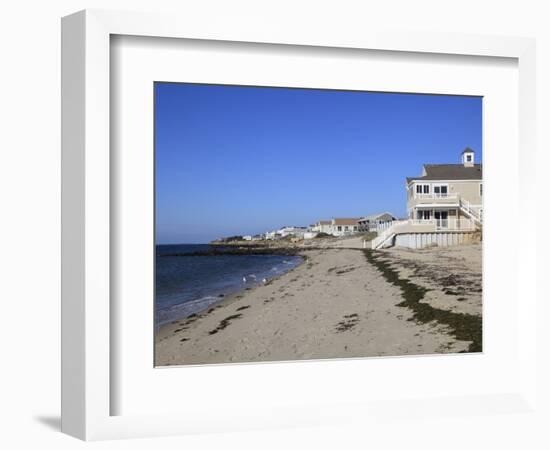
x=240 y=160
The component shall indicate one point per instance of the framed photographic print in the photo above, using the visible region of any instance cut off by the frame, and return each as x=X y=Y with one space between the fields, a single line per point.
x=266 y=228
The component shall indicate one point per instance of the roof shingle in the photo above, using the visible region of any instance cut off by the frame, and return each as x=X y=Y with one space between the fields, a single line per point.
x=345 y=221
x=450 y=172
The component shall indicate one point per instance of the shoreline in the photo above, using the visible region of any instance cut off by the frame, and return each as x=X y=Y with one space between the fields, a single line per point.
x=335 y=304
x=227 y=296
x=241 y=251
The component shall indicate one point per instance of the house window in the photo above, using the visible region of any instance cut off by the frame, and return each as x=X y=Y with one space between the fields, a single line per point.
x=422 y=188
x=469 y=158
x=339 y=228
x=424 y=215
x=440 y=191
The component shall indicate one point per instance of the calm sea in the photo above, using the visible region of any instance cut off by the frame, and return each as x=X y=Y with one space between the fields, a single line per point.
x=190 y=284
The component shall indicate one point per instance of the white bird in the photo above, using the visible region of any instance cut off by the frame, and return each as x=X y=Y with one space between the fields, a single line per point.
x=264 y=280
x=244 y=279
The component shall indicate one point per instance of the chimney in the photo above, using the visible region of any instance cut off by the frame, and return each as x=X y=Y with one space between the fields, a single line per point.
x=468 y=157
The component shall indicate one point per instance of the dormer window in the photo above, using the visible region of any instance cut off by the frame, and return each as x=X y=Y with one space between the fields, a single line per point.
x=469 y=158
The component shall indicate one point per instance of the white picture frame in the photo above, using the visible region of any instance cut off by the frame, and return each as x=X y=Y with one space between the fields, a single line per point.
x=86 y=245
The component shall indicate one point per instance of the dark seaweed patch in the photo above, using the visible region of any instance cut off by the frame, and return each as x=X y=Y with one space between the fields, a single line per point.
x=349 y=321
x=464 y=327
x=350 y=269
x=225 y=323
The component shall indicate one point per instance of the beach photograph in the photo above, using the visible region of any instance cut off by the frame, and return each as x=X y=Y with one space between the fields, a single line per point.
x=298 y=224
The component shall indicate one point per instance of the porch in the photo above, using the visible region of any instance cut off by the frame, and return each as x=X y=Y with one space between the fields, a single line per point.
x=442 y=218
x=389 y=233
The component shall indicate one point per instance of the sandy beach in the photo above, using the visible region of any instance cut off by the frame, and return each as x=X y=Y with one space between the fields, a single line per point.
x=341 y=302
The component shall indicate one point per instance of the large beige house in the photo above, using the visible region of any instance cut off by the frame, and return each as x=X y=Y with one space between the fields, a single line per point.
x=444 y=207
x=449 y=194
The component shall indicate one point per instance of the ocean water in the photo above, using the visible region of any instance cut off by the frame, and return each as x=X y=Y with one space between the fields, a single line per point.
x=190 y=284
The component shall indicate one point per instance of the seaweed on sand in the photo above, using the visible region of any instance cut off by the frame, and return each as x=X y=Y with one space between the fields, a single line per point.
x=464 y=327
x=225 y=323
x=349 y=322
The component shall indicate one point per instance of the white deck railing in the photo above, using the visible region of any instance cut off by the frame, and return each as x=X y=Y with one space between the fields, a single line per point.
x=419 y=225
x=435 y=196
x=461 y=224
x=385 y=230
x=380 y=227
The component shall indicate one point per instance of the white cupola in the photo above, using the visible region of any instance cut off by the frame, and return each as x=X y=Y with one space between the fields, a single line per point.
x=468 y=157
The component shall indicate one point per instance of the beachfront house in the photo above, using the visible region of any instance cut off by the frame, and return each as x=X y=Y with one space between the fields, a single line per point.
x=290 y=231
x=269 y=235
x=374 y=221
x=444 y=206
x=447 y=193
x=299 y=232
x=343 y=226
x=322 y=226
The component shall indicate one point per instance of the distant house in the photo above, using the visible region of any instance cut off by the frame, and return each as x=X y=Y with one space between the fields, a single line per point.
x=247 y=238
x=373 y=222
x=300 y=232
x=290 y=231
x=285 y=231
x=322 y=226
x=343 y=226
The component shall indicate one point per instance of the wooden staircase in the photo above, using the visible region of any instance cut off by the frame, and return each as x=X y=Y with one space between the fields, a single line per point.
x=473 y=214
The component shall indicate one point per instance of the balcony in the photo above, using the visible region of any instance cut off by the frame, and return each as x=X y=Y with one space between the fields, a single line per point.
x=461 y=224
x=434 y=199
x=427 y=225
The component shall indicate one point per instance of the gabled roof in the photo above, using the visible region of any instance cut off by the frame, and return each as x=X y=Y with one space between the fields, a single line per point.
x=345 y=221
x=449 y=172
x=376 y=216
x=467 y=150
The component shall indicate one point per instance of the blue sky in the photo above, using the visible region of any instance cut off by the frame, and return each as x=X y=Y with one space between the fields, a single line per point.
x=245 y=160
